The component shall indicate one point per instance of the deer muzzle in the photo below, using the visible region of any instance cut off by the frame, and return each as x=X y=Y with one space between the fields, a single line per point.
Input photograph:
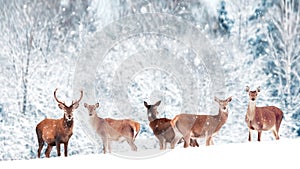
x=69 y=117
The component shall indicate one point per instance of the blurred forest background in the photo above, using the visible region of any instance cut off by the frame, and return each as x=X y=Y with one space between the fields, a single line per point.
x=257 y=42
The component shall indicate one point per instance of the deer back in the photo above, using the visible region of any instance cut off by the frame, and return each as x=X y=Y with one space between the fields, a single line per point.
x=120 y=128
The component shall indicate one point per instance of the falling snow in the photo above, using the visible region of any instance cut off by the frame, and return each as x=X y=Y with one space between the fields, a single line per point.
x=41 y=45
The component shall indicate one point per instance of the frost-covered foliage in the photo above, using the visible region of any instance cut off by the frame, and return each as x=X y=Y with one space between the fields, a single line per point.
x=39 y=41
x=256 y=42
x=225 y=23
x=270 y=38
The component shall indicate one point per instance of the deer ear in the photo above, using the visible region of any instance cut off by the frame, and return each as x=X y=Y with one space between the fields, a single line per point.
x=229 y=99
x=85 y=105
x=157 y=103
x=216 y=99
x=258 y=89
x=145 y=104
x=97 y=105
x=61 y=106
x=247 y=89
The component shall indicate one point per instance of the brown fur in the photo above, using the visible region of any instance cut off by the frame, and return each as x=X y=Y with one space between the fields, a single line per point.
x=197 y=126
x=262 y=118
x=161 y=127
x=113 y=130
x=57 y=131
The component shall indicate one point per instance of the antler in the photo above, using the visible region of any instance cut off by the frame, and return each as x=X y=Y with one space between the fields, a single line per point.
x=56 y=97
x=81 y=94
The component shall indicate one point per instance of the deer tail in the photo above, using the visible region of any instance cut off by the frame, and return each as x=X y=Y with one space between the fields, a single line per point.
x=137 y=129
x=39 y=135
x=279 y=119
x=174 y=121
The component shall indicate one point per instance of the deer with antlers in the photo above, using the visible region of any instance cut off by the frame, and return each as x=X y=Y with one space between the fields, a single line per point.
x=197 y=126
x=162 y=128
x=112 y=129
x=57 y=131
x=262 y=118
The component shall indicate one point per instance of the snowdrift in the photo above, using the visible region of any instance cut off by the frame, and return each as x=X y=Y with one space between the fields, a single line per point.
x=270 y=154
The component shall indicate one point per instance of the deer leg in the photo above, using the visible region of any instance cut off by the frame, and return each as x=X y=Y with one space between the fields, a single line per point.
x=161 y=145
x=66 y=149
x=276 y=134
x=259 y=135
x=109 y=146
x=175 y=141
x=132 y=145
x=41 y=144
x=208 y=141
x=48 y=150
x=278 y=122
x=104 y=140
x=40 y=141
x=186 y=140
x=57 y=148
x=161 y=142
x=249 y=137
x=164 y=144
x=194 y=143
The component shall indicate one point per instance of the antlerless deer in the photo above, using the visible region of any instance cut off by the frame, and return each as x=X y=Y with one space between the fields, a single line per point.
x=113 y=130
x=262 y=118
x=161 y=127
x=57 y=131
x=197 y=126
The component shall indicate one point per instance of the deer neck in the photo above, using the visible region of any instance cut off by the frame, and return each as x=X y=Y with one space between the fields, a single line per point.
x=67 y=123
x=94 y=118
x=251 y=110
x=223 y=114
x=152 y=116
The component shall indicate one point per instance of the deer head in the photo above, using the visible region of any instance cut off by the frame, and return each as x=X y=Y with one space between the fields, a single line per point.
x=91 y=108
x=253 y=94
x=68 y=110
x=152 y=110
x=223 y=104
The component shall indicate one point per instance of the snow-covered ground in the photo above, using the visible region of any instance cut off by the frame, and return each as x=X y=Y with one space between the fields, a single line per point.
x=269 y=154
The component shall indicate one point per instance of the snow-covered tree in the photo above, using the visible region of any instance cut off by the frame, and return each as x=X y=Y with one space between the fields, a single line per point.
x=39 y=41
x=268 y=37
x=283 y=36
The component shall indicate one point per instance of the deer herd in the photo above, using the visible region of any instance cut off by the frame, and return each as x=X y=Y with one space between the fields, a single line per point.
x=183 y=127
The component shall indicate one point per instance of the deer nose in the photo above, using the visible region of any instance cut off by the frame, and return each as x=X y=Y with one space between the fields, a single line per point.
x=224 y=108
x=69 y=116
x=253 y=99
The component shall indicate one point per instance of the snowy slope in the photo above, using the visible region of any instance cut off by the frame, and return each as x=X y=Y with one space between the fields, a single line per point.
x=270 y=154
